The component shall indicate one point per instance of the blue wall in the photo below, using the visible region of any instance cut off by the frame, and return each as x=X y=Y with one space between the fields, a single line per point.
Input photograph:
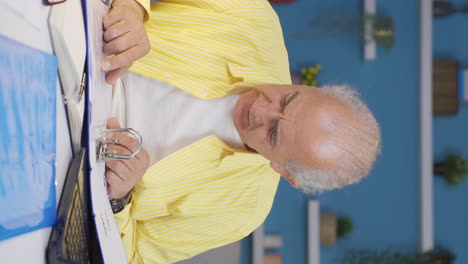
x=451 y=135
x=385 y=206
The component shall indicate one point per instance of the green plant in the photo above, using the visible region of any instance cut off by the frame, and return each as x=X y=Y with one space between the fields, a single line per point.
x=383 y=32
x=344 y=227
x=309 y=75
x=335 y=25
x=368 y=256
x=453 y=169
x=438 y=255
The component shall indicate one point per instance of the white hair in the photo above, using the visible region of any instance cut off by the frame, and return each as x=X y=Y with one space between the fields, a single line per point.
x=360 y=141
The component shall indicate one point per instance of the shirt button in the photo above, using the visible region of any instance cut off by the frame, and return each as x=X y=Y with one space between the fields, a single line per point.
x=205 y=93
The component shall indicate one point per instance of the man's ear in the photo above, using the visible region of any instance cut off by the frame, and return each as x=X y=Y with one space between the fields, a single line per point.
x=285 y=173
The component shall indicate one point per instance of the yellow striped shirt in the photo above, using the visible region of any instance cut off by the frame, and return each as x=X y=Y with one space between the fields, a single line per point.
x=211 y=48
x=201 y=197
x=207 y=194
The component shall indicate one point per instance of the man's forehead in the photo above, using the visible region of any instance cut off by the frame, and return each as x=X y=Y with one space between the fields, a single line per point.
x=311 y=135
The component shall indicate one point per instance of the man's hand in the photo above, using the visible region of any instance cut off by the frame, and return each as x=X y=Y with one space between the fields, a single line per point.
x=124 y=36
x=123 y=175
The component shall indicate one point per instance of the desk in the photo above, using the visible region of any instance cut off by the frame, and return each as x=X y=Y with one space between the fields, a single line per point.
x=26 y=22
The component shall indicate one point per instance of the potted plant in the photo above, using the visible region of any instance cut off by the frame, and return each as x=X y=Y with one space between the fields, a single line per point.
x=332 y=228
x=383 y=32
x=444 y=8
x=453 y=169
x=345 y=226
x=438 y=255
x=308 y=76
x=336 y=25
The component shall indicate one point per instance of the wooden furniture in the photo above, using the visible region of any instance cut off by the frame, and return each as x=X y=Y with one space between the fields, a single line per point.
x=445 y=87
x=272 y=259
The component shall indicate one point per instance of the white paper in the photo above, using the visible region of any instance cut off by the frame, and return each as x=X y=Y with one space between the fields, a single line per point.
x=24 y=21
x=68 y=37
x=100 y=94
x=28 y=15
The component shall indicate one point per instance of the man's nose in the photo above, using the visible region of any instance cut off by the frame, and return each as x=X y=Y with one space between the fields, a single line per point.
x=263 y=112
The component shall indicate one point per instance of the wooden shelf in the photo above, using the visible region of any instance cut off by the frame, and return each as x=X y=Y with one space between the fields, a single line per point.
x=445 y=87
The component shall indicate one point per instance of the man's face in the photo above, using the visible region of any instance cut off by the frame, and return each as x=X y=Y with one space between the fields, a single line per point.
x=287 y=123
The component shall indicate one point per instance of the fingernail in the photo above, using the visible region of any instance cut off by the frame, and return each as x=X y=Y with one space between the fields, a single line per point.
x=106 y=65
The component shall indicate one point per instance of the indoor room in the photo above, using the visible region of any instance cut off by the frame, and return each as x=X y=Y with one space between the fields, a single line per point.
x=162 y=183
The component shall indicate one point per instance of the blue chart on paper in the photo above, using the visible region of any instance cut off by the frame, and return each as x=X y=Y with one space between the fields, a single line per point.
x=27 y=138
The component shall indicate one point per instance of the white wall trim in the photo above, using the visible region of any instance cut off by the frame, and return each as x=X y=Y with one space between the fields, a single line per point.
x=370 y=50
x=313 y=231
x=427 y=214
x=258 y=249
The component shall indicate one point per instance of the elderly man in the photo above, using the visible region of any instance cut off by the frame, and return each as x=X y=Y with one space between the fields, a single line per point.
x=221 y=123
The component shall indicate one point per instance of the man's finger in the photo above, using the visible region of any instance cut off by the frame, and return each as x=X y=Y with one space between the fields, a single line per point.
x=142 y=155
x=114 y=135
x=114 y=16
x=129 y=143
x=113 y=178
x=125 y=58
x=113 y=123
x=120 y=168
x=118 y=149
x=116 y=30
x=112 y=76
x=114 y=193
x=121 y=44
x=115 y=186
x=110 y=191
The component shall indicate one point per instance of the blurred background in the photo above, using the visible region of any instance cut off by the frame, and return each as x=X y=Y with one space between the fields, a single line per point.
x=378 y=220
x=385 y=208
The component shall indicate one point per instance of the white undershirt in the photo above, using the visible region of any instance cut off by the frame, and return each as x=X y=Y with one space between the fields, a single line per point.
x=169 y=118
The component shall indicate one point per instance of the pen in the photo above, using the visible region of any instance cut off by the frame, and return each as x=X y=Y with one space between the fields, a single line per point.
x=82 y=86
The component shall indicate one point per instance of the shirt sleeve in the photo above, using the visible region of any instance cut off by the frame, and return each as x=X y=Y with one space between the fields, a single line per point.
x=175 y=238
x=214 y=199
x=157 y=227
x=191 y=224
x=127 y=227
x=146 y=4
x=190 y=229
x=218 y=5
x=210 y=49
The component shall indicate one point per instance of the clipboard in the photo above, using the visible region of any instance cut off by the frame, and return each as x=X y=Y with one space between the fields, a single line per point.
x=67 y=33
x=98 y=107
x=86 y=230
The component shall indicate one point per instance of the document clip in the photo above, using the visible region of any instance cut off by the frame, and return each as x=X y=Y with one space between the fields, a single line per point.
x=101 y=151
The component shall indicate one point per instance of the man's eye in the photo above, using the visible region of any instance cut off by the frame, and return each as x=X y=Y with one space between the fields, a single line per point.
x=283 y=100
x=274 y=135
